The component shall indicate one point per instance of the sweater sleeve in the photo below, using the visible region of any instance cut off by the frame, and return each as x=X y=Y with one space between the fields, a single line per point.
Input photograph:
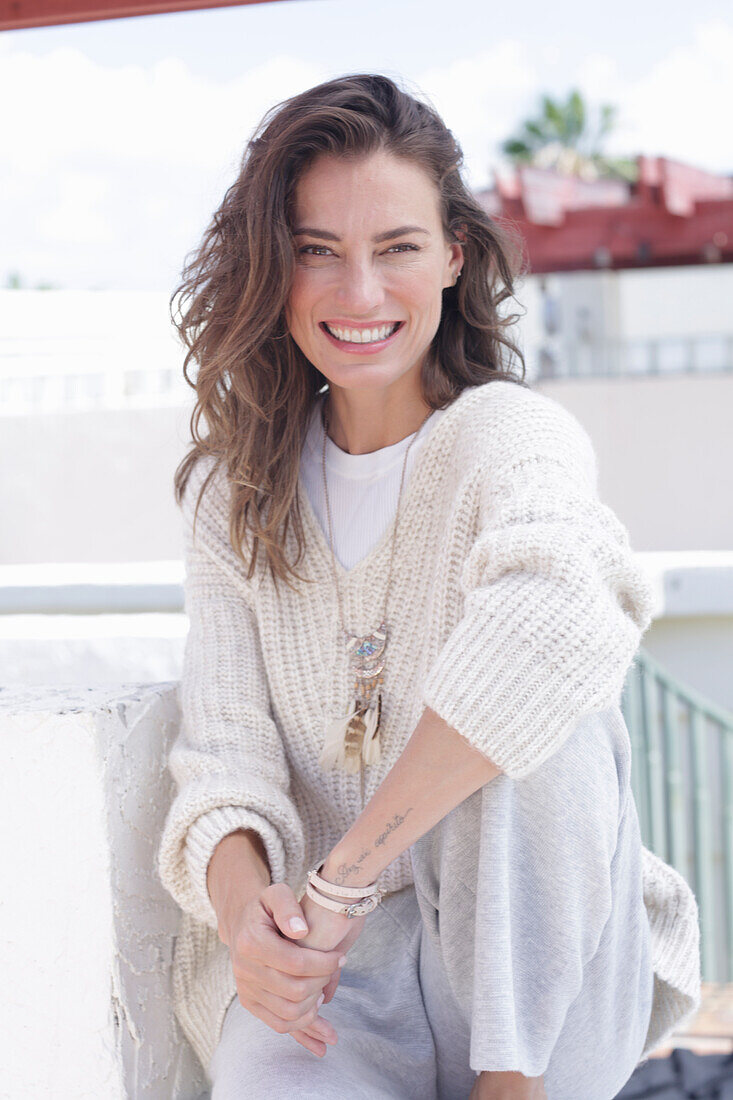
x=554 y=604
x=228 y=761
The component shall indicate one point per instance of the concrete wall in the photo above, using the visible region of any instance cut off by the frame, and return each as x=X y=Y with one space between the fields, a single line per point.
x=675 y=301
x=98 y=486
x=88 y=931
x=91 y=486
x=665 y=454
x=691 y=634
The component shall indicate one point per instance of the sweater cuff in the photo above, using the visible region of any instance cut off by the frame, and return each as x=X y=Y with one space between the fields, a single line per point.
x=205 y=834
x=519 y=711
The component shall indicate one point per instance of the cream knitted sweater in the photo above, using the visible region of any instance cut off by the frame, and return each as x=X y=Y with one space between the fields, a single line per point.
x=516 y=607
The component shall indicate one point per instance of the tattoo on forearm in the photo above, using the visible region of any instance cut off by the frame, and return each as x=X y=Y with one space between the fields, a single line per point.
x=345 y=870
x=391 y=826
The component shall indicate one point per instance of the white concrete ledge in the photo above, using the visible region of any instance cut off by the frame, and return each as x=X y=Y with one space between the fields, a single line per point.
x=88 y=931
x=687 y=582
x=91 y=650
x=91 y=588
x=690 y=582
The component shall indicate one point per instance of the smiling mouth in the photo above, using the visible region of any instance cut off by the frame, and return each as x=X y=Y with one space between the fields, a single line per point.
x=373 y=335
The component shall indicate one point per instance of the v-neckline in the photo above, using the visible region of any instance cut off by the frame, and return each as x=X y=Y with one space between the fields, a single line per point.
x=409 y=491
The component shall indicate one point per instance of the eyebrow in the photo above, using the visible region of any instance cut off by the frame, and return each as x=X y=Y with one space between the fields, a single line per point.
x=325 y=235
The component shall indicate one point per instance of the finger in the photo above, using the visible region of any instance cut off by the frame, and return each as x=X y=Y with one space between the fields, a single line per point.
x=314 y=1045
x=283 y=985
x=290 y=1011
x=318 y=1028
x=286 y=911
x=293 y=958
x=331 y=1039
x=282 y=1027
x=331 y=986
x=312 y=1033
x=263 y=943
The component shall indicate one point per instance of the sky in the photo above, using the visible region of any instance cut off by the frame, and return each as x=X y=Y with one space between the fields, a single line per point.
x=124 y=134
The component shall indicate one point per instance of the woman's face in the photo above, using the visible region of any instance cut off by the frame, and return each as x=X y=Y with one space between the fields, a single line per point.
x=372 y=261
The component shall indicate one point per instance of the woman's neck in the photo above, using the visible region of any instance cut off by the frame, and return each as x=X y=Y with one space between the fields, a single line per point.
x=362 y=422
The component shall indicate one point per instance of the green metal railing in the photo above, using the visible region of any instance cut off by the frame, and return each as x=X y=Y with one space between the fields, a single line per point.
x=682 y=779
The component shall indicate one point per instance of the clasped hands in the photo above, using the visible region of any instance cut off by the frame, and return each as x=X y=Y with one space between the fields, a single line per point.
x=282 y=987
x=284 y=974
x=327 y=929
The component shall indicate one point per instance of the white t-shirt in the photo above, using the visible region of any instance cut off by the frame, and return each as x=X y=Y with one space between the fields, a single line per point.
x=362 y=489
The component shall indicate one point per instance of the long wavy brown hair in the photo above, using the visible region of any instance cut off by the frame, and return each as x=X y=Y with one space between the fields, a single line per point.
x=254 y=387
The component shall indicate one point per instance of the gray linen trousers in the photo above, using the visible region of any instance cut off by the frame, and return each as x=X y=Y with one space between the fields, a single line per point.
x=523 y=945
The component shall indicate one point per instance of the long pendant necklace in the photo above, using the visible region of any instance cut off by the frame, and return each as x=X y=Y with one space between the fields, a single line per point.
x=353 y=741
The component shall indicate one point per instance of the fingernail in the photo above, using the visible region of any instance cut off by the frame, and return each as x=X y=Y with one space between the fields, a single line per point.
x=342 y=960
x=297 y=924
x=321 y=999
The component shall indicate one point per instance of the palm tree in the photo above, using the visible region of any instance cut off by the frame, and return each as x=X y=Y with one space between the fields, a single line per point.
x=561 y=137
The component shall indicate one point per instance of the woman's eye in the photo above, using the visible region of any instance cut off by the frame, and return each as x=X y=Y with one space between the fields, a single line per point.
x=323 y=250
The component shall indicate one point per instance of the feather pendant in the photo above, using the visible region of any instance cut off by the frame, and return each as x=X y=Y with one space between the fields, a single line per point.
x=350 y=740
x=353 y=741
x=350 y=758
x=371 y=748
x=332 y=753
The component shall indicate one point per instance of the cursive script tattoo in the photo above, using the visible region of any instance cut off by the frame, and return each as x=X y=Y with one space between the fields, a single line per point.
x=346 y=869
x=396 y=821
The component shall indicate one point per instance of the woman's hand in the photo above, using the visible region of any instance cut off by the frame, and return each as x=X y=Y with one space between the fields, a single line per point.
x=277 y=980
x=326 y=931
x=506 y=1085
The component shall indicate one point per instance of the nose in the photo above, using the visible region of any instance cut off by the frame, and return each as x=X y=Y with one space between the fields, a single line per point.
x=360 y=290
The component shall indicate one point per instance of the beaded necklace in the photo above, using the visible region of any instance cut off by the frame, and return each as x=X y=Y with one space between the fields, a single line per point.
x=353 y=741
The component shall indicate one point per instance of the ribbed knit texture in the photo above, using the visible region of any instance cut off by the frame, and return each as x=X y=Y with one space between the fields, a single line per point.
x=516 y=607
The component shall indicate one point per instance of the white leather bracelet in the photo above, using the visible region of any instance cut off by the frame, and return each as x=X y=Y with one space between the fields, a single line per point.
x=356 y=892
x=355 y=909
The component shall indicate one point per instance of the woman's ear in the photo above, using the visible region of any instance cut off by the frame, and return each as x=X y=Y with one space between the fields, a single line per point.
x=456 y=261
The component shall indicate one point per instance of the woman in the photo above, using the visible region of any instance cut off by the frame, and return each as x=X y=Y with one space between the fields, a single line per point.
x=429 y=717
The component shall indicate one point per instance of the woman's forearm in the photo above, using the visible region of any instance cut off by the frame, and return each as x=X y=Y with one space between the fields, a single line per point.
x=436 y=771
x=237 y=870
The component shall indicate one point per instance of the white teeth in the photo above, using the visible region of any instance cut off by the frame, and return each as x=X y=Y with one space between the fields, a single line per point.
x=362 y=336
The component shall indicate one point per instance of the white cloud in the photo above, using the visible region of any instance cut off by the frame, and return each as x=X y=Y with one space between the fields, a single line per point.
x=679 y=108
x=130 y=158
x=77 y=218
x=480 y=98
x=67 y=104
x=110 y=173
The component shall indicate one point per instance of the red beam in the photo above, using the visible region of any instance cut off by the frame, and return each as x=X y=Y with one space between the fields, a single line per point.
x=674 y=214
x=635 y=238
x=19 y=14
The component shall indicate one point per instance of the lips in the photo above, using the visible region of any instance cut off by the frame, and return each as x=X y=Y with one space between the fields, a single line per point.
x=361 y=334
x=356 y=347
